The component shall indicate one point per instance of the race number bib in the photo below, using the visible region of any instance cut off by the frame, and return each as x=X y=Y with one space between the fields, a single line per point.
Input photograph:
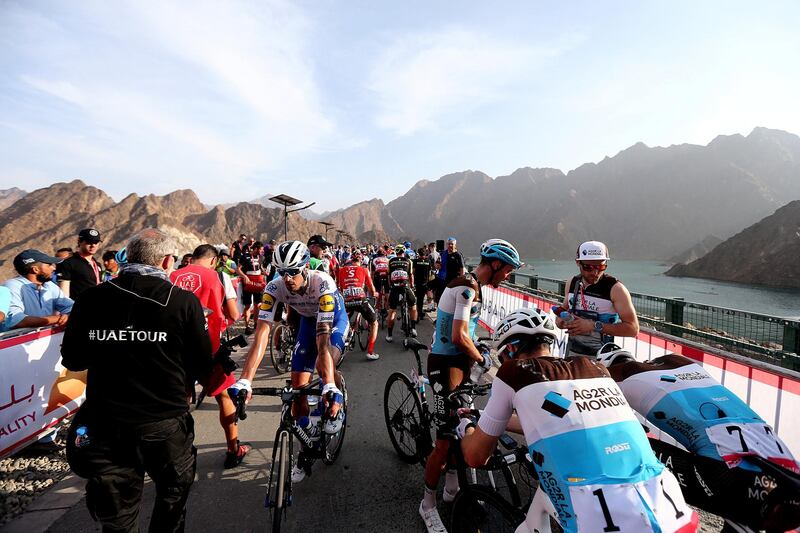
x=399 y=276
x=735 y=441
x=353 y=293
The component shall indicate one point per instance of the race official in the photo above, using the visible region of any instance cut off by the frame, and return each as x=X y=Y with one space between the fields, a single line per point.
x=143 y=341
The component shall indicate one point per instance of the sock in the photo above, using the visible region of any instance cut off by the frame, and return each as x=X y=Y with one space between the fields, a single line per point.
x=451 y=482
x=371 y=346
x=429 y=499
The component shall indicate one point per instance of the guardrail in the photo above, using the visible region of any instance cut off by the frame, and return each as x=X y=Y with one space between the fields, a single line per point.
x=766 y=338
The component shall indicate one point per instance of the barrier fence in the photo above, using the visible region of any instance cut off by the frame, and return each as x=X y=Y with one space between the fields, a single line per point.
x=766 y=338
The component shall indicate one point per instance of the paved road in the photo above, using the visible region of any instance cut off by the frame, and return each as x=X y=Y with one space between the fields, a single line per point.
x=368 y=489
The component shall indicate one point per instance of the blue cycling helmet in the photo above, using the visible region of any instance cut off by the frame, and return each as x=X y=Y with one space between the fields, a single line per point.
x=502 y=250
x=121 y=257
x=407 y=244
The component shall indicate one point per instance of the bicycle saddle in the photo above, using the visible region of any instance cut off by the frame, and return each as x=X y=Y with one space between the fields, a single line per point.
x=415 y=345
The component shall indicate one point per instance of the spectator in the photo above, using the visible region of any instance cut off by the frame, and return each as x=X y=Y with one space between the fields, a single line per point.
x=61 y=253
x=140 y=361
x=5 y=302
x=318 y=246
x=452 y=266
x=186 y=260
x=110 y=265
x=81 y=271
x=216 y=293
x=434 y=255
x=251 y=263
x=35 y=300
x=237 y=248
x=422 y=273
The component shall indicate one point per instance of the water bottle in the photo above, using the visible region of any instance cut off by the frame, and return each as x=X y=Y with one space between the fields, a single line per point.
x=82 y=437
x=567 y=317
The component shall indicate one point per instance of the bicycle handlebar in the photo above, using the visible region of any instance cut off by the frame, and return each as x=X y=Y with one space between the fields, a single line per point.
x=286 y=393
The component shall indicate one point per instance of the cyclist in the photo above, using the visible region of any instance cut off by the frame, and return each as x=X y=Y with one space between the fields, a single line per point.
x=595 y=466
x=601 y=304
x=320 y=338
x=410 y=253
x=452 y=356
x=401 y=279
x=351 y=280
x=380 y=279
x=721 y=434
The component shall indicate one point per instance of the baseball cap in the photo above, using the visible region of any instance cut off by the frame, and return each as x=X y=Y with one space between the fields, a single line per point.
x=26 y=257
x=319 y=240
x=451 y=239
x=592 y=251
x=90 y=235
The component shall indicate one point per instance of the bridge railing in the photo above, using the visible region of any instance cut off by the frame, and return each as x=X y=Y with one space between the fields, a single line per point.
x=772 y=339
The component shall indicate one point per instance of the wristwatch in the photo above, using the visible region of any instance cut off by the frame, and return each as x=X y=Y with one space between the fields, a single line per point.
x=598 y=326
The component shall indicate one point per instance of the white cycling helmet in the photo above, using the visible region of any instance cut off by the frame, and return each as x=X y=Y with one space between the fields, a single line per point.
x=527 y=321
x=611 y=353
x=291 y=254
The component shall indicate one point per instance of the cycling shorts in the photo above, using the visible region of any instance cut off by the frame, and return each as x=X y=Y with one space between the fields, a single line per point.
x=364 y=307
x=450 y=372
x=381 y=283
x=394 y=297
x=304 y=357
x=738 y=495
x=250 y=298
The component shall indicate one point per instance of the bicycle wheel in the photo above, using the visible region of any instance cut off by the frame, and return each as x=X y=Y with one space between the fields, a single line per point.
x=281 y=345
x=363 y=331
x=282 y=461
x=406 y=321
x=333 y=443
x=402 y=410
x=480 y=509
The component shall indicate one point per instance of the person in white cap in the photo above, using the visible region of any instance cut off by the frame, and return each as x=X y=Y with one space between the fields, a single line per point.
x=597 y=307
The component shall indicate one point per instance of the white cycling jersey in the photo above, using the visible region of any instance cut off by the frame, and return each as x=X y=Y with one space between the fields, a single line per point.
x=318 y=299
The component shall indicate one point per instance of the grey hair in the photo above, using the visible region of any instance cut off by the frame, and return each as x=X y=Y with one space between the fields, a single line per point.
x=149 y=247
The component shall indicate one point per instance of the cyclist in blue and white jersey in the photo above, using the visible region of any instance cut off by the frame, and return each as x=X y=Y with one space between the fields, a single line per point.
x=452 y=356
x=596 y=469
x=733 y=464
x=410 y=253
x=320 y=338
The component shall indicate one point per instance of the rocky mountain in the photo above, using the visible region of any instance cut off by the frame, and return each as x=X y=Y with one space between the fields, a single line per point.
x=368 y=216
x=697 y=251
x=9 y=196
x=645 y=203
x=50 y=218
x=762 y=254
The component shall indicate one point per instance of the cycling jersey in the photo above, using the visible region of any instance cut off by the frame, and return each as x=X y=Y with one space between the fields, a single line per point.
x=592 y=302
x=680 y=398
x=351 y=281
x=459 y=301
x=400 y=271
x=590 y=452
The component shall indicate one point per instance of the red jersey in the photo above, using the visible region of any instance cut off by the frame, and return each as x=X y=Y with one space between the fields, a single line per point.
x=351 y=280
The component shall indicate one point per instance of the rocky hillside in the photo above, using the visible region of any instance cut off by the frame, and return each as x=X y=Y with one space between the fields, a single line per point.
x=9 y=196
x=697 y=251
x=50 y=218
x=645 y=203
x=763 y=254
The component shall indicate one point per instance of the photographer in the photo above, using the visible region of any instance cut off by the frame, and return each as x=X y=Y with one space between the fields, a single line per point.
x=143 y=341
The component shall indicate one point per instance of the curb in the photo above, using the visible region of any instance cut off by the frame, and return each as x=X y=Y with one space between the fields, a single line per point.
x=48 y=507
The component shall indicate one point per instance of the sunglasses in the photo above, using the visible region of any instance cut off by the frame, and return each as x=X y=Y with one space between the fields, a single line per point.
x=590 y=268
x=282 y=272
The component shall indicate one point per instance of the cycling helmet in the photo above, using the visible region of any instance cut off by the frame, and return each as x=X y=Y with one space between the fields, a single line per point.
x=407 y=244
x=121 y=257
x=291 y=254
x=611 y=353
x=502 y=250
x=399 y=249
x=527 y=321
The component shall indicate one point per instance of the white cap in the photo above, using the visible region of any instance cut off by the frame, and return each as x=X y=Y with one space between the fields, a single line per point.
x=592 y=251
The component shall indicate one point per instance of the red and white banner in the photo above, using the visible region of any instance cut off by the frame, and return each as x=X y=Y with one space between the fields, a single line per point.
x=772 y=392
x=36 y=392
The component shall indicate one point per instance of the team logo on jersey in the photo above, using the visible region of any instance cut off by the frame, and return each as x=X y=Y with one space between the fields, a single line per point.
x=467 y=294
x=272 y=287
x=324 y=287
x=326 y=303
x=267 y=302
x=555 y=404
x=190 y=281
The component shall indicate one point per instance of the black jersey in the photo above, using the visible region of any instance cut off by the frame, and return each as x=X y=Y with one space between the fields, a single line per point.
x=144 y=342
x=400 y=271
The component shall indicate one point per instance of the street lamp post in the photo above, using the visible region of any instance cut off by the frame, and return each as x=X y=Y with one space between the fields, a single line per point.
x=286 y=201
x=327 y=226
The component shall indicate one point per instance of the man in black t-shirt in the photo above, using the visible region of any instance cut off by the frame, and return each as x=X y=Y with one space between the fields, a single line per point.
x=252 y=264
x=141 y=359
x=422 y=273
x=237 y=247
x=81 y=271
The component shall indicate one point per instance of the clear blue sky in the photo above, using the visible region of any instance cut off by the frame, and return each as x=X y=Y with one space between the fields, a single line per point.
x=342 y=101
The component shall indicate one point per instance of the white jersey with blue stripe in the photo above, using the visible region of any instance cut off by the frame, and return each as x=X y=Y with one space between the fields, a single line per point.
x=590 y=452
x=459 y=301
x=679 y=397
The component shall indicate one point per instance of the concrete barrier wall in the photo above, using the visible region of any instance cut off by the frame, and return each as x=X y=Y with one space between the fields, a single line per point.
x=772 y=392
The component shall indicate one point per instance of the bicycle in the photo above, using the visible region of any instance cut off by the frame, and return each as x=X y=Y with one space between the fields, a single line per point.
x=281 y=347
x=359 y=329
x=327 y=448
x=402 y=309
